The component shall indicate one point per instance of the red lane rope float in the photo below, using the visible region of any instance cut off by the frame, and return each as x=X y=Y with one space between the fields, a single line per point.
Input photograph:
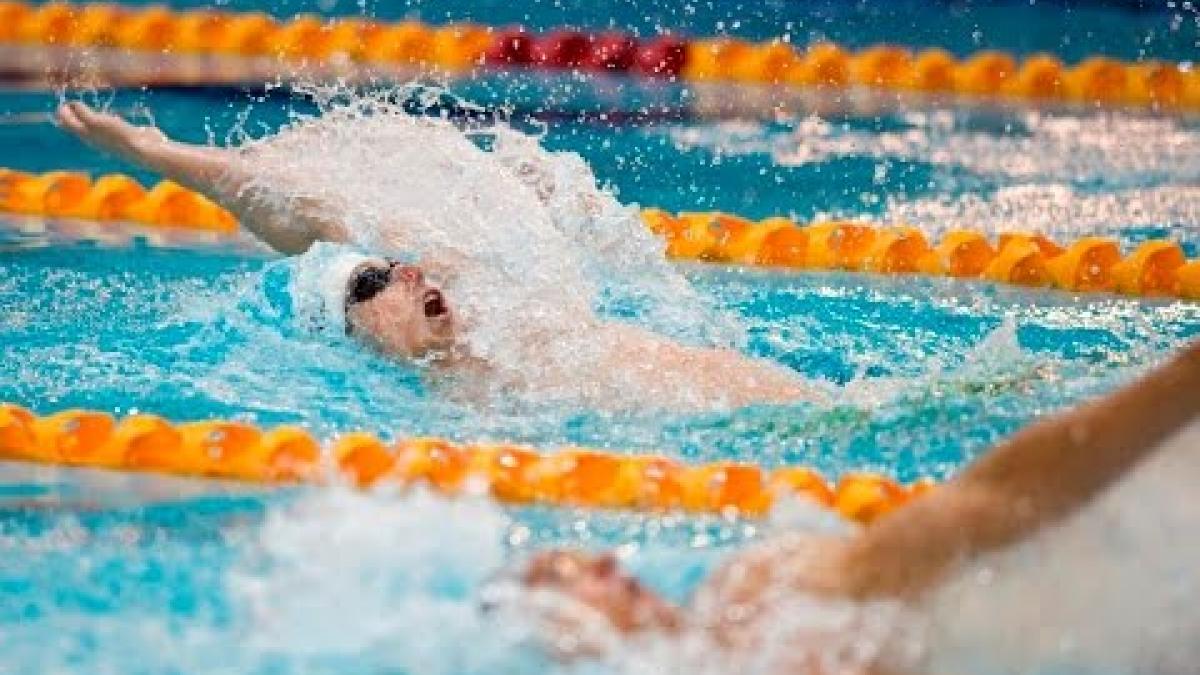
x=511 y=474
x=1089 y=264
x=1096 y=81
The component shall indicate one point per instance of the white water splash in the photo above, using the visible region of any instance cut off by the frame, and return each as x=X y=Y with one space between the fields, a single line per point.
x=341 y=574
x=996 y=359
x=522 y=239
x=785 y=631
x=1054 y=210
x=1108 y=148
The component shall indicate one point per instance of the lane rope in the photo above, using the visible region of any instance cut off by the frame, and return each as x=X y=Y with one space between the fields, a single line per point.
x=1155 y=268
x=511 y=474
x=1087 y=265
x=351 y=42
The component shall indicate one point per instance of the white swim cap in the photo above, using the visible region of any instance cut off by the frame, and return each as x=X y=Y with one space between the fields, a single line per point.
x=319 y=286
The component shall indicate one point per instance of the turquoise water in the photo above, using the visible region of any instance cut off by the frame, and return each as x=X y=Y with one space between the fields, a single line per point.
x=91 y=568
x=107 y=575
x=933 y=371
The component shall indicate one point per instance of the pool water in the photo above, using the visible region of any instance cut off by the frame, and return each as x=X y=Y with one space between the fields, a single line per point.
x=108 y=574
x=929 y=372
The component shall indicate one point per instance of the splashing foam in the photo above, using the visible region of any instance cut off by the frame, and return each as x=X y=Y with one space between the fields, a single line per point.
x=787 y=631
x=1111 y=148
x=373 y=558
x=402 y=596
x=996 y=360
x=1112 y=589
x=1054 y=209
x=525 y=239
x=1051 y=164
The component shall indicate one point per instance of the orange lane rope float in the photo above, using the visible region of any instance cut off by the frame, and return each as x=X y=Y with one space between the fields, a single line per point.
x=1095 y=81
x=1089 y=264
x=69 y=194
x=511 y=474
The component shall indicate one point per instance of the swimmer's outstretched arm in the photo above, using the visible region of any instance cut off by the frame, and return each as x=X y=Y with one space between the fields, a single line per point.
x=215 y=172
x=1039 y=476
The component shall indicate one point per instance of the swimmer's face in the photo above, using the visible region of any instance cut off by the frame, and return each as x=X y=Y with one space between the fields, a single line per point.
x=394 y=309
x=599 y=583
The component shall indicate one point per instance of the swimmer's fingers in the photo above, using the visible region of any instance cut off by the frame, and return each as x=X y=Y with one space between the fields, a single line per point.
x=95 y=122
x=108 y=132
x=552 y=567
x=66 y=118
x=78 y=118
x=102 y=121
x=83 y=112
x=564 y=567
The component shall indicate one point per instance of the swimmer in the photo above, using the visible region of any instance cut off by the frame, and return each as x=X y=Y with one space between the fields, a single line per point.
x=396 y=308
x=898 y=565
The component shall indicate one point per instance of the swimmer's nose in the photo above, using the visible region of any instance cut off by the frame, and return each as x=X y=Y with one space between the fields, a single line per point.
x=410 y=274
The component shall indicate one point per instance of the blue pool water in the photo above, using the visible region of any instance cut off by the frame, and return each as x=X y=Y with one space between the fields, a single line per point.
x=932 y=371
x=105 y=574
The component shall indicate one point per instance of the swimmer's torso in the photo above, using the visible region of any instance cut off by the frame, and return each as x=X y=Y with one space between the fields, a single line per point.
x=522 y=241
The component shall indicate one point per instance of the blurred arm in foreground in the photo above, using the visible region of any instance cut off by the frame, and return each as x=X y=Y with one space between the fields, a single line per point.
x=1039 y=477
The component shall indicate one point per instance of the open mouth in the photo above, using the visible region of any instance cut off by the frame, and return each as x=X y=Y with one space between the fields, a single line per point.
x=434 y=304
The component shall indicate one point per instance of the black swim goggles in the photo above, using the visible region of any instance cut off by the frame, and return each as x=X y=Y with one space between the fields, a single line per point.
x=370 y=280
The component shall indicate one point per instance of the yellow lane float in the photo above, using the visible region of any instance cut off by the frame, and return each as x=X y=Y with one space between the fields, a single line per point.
x=960 y=253
x=111 y=197
x=1020 y=261
x=1152 y=269
x=1041 y=76
x=196 y=31
x=516 y=475
x=1089 y=264
x=896 y=250
x=838 y=245
x=405 y=43
x=775 y=62
x=96 y=25
x=1086 y=265
x=250 y=34
x=1099 y=80
x=153 y=29
x=53 y=194
x=460 y=46
x=934 y=70
x=716 y=59
x=826 y=65
x=882 y=67
x=985 y=73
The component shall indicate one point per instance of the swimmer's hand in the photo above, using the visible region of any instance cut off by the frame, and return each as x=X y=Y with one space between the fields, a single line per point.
x=286 y=225
x=599 y=584
x=107 y=132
